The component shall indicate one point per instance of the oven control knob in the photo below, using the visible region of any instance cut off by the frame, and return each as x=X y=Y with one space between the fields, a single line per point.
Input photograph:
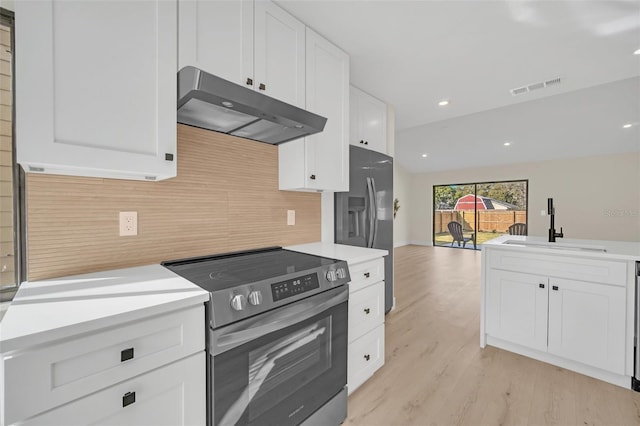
x=255 y=298
x=331 y=275
x=342 y=274
x=238 y=302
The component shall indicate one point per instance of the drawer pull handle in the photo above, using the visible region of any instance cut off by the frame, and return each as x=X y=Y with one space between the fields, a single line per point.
x=367 y=357
x=367 y=274
x=367 y=311
x=541 y=285
x=126 y=355
x=555 y=287
x=128 y=398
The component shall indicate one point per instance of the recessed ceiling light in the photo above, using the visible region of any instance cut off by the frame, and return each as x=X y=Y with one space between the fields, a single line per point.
x=637 y=52
x=507 y=144
x=424 y=155
x=626 y=126
x=443 y=102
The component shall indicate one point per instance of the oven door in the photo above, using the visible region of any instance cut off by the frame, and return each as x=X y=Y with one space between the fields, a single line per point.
x=279 y=367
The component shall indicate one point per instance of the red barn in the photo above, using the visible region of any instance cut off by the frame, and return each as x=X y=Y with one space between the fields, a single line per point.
x=471 y=202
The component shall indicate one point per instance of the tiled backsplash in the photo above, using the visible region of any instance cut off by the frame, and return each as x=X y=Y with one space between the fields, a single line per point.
x=225 y=198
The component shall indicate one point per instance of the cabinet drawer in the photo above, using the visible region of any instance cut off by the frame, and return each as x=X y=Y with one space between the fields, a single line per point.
x=366 y=273
x=366 y=355
x=42 y=378
x=173 y=395
x=366 y=310
x=585 y=269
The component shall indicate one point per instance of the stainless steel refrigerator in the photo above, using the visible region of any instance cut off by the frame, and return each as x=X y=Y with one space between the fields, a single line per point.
x=364 y=215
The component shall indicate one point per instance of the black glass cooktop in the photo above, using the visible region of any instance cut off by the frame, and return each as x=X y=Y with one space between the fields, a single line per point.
x=224 y=271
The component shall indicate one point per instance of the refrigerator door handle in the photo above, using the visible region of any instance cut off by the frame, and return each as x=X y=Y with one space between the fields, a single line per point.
x=374 y=212
x=371 y=211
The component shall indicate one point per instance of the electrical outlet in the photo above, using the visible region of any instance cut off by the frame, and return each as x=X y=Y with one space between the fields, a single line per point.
x=543 y=212
x=291 y=217
x=128 y=223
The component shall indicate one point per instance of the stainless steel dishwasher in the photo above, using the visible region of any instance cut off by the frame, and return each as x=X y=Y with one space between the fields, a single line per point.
x=635 y=380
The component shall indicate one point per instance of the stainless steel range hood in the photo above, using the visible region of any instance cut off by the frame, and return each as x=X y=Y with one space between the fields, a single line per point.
x=213 y=103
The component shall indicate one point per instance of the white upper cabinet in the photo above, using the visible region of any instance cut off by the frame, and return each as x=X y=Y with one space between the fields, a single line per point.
x=279 y=66
x=368 y=121
x=320 y=162
x=96 y=88
x=254 y=44
x=217 y=37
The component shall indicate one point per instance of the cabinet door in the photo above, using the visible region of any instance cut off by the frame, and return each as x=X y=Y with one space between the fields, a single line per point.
x=328 y=95
x=587 y=323
x=366 y=310
x=217 y=37
x=368 y=121
x=366 y=356
x=321 y=161
x=516 y=308
x=172 y=395
x=96 y=93
x=39 y=379
x=279 y=54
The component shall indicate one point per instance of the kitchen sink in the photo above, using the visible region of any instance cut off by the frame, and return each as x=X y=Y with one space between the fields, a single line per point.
x=557 y=246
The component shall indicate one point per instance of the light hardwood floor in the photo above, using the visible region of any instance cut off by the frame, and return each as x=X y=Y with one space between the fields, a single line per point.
x=435 y=372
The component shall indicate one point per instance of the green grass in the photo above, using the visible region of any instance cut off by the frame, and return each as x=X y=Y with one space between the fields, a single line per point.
x=444 y=238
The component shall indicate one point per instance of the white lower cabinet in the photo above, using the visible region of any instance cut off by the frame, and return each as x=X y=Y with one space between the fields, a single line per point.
x=366 y=310
x=517 y=308
x=587 y=323
x=569 y=320
x=366 y=356
x=366 y=322
x=147 y=372
x=172 y=395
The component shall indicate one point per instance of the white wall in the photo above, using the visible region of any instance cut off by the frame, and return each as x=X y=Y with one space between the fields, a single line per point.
x=7 y=4
x=402 y=191
x=594 y=198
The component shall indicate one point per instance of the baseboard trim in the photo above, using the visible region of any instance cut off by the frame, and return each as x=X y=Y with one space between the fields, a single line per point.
x=421 y=243
x=606 y=376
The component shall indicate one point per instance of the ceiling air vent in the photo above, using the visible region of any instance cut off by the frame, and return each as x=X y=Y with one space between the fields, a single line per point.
x=535 y=86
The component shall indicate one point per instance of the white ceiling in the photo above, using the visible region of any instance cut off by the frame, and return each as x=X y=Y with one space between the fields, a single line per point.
x=411 y=54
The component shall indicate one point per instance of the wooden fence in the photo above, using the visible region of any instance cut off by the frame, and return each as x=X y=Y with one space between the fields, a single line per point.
x=488 y=220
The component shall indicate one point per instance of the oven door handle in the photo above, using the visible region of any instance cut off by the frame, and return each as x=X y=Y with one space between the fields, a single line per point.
x=234 y=335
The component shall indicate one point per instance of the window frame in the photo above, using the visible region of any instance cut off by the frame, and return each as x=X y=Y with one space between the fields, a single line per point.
x=475 y=192
x=7 y=18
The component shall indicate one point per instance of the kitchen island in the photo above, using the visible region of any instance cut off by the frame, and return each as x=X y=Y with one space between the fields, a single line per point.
x=570 y=303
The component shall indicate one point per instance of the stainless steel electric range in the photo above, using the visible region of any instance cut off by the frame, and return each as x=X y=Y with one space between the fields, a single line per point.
x=277 y=336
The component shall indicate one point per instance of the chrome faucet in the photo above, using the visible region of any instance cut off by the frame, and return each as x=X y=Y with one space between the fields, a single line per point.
x=552 y=229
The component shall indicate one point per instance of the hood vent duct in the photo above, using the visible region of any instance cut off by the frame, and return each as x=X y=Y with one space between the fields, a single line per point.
x=213 y=103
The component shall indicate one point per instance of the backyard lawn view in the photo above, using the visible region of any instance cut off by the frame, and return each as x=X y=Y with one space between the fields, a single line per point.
x=488 y=209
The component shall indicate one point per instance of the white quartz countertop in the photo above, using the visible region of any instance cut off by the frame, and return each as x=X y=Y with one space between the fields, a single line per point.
x=352 y=254
x=622 y=250
x=48 y=310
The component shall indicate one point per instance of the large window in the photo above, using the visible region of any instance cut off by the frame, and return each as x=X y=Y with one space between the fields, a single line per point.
x=483 y=211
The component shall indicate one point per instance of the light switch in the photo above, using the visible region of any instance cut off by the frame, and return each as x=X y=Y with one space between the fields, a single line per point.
x=291 y=217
